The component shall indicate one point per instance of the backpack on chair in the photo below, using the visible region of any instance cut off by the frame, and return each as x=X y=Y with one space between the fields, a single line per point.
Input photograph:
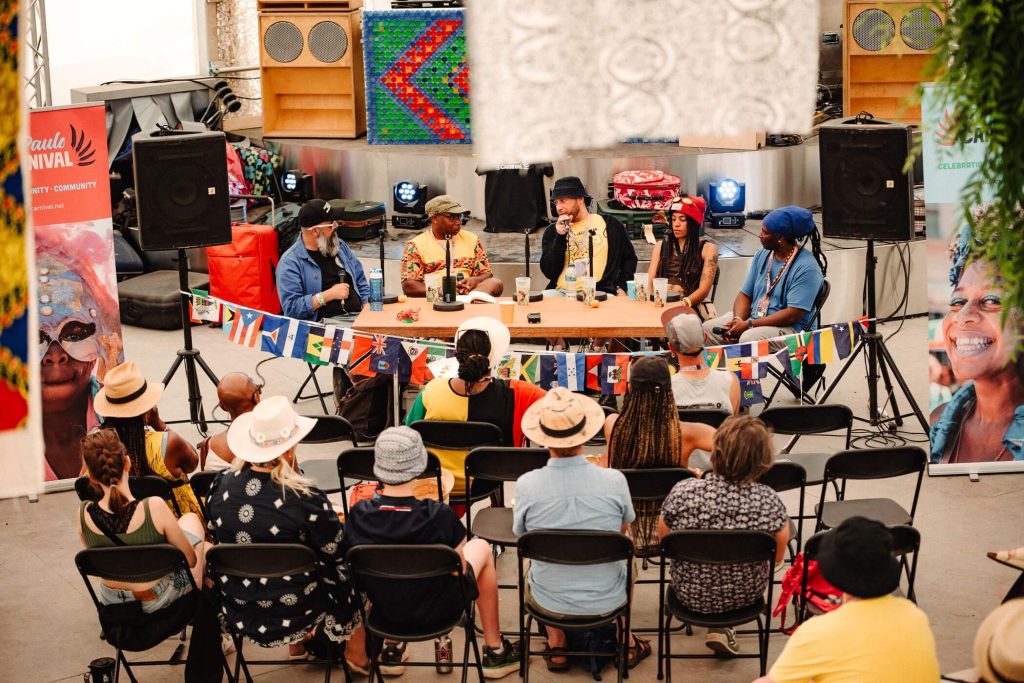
x=367 y=403
x=601 y=643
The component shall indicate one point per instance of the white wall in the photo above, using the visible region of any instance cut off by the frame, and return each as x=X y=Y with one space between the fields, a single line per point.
x=91 y=42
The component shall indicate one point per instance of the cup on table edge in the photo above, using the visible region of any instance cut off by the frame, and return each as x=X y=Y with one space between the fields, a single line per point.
x=508 y=311
x=432 y=282
x=642 y=292
x=589 y=288
x=660 y=291
x=523 y=291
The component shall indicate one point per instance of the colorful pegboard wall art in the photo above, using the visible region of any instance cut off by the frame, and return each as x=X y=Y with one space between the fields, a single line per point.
x=417 y=77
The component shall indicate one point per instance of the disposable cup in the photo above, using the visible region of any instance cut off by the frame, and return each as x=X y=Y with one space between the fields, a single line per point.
x=508 y=311
x=523 y=291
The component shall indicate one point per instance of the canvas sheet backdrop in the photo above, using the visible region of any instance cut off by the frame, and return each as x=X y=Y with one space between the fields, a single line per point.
x=547 y=77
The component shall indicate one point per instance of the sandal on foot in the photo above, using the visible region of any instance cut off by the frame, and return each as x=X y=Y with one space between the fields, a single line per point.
x=638 y=652
x=357 y=668
x=553 y=666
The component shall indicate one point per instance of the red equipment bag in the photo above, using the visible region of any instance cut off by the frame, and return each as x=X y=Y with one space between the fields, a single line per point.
x=645 y=190
x=821 y=596
x=245 y=271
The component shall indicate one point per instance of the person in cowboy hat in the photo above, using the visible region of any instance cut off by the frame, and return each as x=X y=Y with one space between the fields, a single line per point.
x=425 y=253
x=874 y=635
x=264 y=499
x=689 y=263
x=127 y=403
x=999 y=644
x=571 y=493
x=567 y=240
x=784 y=279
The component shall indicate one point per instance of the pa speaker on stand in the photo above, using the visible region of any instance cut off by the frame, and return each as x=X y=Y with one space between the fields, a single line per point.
x=866 y=194
x=181 y=186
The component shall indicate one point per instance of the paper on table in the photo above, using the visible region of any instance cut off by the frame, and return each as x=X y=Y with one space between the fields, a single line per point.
x=475 y=296
x=444 y=367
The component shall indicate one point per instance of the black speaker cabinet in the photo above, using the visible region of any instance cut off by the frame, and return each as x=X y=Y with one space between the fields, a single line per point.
x=865 y=193
x=181 y=190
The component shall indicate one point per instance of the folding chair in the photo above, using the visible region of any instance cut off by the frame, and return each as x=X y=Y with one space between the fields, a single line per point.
x=787 y=476
x=141 y=487
x=799 y=421
x=255 y=561
x=319 y=394
x=462 y=436
x=598 y=439
x=376 y=568
x=783 y=378
x=356 y=464
x=201 y=483
x=497 y=464
x=713 y=417
x=141 y=631
x=870 y=463
x=328 y=429
x=574 y=548
x=719 y=547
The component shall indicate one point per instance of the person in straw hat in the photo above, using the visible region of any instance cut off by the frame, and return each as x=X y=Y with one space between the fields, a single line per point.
x=999 y=644
x=874 y=635
x=127 y=403
x=264 y=499
x=571 y=493
x=398 y=516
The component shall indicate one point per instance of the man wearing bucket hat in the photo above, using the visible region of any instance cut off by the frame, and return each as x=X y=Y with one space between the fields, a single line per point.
x=696 y=385
x=873 y=636
x=572 y=493
x=784 y=279
x=398 y=516
x=425 y=253
x=567 y=240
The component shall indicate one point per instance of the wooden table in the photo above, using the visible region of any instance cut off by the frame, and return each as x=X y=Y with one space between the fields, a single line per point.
x=618 y=316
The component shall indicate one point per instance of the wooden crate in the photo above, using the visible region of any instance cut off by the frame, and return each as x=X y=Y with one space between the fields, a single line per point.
x=308 y=5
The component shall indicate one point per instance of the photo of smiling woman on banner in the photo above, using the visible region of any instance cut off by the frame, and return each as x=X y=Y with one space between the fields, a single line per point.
x=983 y=419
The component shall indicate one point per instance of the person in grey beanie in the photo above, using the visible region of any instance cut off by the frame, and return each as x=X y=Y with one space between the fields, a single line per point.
x=397 y=516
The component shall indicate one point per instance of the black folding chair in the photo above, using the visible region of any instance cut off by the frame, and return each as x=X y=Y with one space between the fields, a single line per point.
x=462 y=436
x=732 y=546
x=870 y=463
x=318 y=393
x=713 y=417
x=599 y=439
x=141 y=487
x=799 y=421
x=201 y=483
x=787 y=476
x=497 y=464
x=328 y=429
x=387 y=574
x=574 y=548
x=356 y=465
x=255 y=561
x=654 y=485
x=139 y=631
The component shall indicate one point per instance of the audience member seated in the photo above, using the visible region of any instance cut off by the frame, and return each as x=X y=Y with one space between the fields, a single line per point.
x=784 y=279
x=397 y=516
x=127 y=403
x=263 y=499
x=873 y=636
x=425 y=253
x=134 y=522
x=237 y=394
x=570 y=493
x=319 y=277
x=689 y=263
x=476 y=395
x=696 y=385
x=647 y=434
x=727 y=497
x=567 y=240
x=999 y=644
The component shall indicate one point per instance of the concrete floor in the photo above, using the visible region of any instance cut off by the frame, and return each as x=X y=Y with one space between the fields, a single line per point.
x=49 y=630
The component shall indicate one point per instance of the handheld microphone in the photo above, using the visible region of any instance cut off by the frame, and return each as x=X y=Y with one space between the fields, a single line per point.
x=718 y=330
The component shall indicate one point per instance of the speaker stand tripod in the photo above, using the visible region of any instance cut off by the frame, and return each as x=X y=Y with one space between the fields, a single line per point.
x=189 y=355
x=880 y=361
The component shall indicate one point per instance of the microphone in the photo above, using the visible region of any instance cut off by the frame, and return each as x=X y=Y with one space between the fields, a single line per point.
x=718 y=330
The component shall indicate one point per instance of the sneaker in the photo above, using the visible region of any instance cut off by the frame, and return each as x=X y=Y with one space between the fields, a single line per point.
x=391 y=658
x=501 y=665
x=722 y=641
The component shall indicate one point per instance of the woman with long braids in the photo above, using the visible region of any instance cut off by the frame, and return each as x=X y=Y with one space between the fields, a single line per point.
x=689 y=263
x=127 y=403
x=648 y=434
x=476 y=394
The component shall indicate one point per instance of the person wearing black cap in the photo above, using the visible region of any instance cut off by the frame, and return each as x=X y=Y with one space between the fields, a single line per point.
x=567 y=240
x=873 y=636
x=319 y=277
x=784 y=279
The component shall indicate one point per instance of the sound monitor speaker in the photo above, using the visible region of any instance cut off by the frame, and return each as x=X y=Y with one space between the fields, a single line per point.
x=311 y=68
x=865 y=193
x=886 y=45
x=181 y=190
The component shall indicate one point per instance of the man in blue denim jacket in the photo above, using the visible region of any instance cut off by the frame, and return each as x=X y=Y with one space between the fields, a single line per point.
x=319 y=276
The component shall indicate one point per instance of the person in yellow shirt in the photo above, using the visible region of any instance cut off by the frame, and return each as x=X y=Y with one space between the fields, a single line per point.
x=425 y=253
x=874 y=636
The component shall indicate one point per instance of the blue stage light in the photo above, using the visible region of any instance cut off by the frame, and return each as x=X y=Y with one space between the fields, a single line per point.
x=409 y=197
x=296 y=186
x=728 y=199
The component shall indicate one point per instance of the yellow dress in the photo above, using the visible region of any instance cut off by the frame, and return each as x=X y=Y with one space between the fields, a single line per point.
x=156 y=446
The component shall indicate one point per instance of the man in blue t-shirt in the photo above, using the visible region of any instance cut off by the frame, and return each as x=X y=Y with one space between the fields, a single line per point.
x=784 y=279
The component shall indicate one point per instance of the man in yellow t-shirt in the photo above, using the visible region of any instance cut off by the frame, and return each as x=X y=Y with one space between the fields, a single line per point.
x=425 y=253
x=874 y=636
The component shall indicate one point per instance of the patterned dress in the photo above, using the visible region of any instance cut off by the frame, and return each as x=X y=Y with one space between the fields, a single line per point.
x=248 y=507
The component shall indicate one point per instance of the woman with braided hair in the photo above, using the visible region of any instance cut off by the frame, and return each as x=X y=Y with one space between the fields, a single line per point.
x=117 y=515
x=689 y=263
x=648 y=434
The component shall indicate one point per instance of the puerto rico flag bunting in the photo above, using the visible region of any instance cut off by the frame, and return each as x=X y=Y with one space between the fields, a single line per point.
x=548 y=372
x=245 y=329
x=284 y=337
x=572 y=370
x=384 y=354
x=614 y=372
x=509 y=366
x=314 y=344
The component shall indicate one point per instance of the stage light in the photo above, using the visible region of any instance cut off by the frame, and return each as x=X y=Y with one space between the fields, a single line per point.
x=728 y=198
x=296 y=186
x=409 y=200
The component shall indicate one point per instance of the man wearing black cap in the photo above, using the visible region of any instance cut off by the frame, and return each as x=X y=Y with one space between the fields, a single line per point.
x=784 y=279
x=873 y=636
x=319 y=276
x=567 y=240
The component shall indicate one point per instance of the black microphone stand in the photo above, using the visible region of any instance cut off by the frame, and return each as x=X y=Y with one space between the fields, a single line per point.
x=533 y=296
x=381 y=234
x=448 y=301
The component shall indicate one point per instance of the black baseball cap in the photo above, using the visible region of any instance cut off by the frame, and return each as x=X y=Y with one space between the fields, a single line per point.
x=315 y=212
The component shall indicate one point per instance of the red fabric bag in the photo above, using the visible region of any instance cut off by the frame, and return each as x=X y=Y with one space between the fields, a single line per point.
x=821 y=595
x=244 y=272
x=645 y=190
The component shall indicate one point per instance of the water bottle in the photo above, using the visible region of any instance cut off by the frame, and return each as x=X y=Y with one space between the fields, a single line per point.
x=376 y=290
x=443 y=654
x=570 y=279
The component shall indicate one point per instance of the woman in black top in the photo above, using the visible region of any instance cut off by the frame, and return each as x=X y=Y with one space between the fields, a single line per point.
x=689 y=263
